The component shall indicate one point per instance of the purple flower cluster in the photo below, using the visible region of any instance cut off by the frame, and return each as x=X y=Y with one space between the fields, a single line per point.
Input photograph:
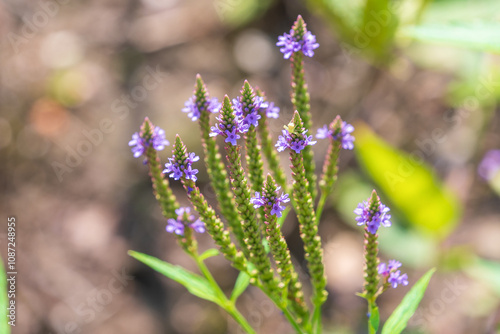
x=373 y=218
x=392 y=274
x=294 y=142
x=140 y=144
x=343 y=135
x=194 y=108
x=271 y=110
x=490 y=165
x=178 y=167
x=249 y=116
x=274 y=202
x=291 y=43
x=184 y=218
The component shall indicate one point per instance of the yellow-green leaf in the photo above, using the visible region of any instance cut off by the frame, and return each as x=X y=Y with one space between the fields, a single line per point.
x=409 y=183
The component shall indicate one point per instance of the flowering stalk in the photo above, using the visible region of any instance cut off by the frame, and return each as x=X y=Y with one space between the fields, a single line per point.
x=372 y=214
x=229 y=126
x=147 y=142
x=273 y=208
x=247 y=108
x=182 y=161
x=295 y=45
x=339 y=133
x=294 y=137
x=199 y=107
x=270 y=153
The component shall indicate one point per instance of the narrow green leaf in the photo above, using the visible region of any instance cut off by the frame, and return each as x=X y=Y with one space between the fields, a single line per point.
x=240 y=286
x=481 y=36
x=196 y=284
x=209 y=253
x=408 y=181
x=399 y=318
x=4 y=301
x=375 y=319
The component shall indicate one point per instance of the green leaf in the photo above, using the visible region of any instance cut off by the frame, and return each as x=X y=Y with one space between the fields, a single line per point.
x=4 y=301
x=409 y=182
x=196 y=284
x=209 y=253
x=374 y=319
x=240 y=286
x=399 y=318
x=481 y=36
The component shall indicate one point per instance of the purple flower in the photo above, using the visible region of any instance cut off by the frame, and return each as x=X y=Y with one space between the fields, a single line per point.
x=184 y=218
x=372 y=218
x=257 y=201
x=140 y=144
x=271 y=201
x=391 y=273
x=396 y=278
x=490 y=165
x=291 y=43
x=177 y=167
x=192 y=108
x=252 y=119
x=343 y=135
x=232 y=136
x=272 y=111
x=294 y=142
x=174 y=226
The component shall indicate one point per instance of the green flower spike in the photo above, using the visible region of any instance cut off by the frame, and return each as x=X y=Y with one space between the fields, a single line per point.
x=213 y=224
x=248 y=105
x=268 y=148
x=161 y=186
x=300 y=101
x=215 y=168
x=306 y=216
x=271 y=202
x=251 y=228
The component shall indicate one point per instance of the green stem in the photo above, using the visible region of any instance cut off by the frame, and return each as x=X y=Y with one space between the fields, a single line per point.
x=321 y=205
x=316 y=319
x=227 y=304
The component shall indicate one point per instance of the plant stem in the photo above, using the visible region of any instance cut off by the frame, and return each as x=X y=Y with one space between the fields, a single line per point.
x=226 y=303
x=321 y=205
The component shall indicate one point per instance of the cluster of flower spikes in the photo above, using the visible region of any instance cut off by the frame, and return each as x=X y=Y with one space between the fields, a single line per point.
x=140 y=142
x=372 y=217
x=296 y=41
x=340 y=133
x=274 y=201
x=392 y=274
x=180 y=166
x=184 y=219
x=292 y=140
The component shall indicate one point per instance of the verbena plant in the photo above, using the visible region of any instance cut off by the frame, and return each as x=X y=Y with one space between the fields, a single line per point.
x=252 y=203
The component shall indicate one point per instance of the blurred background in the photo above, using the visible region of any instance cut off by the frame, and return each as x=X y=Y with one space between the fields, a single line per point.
x=418 y=79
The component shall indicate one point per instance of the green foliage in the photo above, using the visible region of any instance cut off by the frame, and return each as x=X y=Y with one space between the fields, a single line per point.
x=240 y=12
x=240 y=286
x=209 y=253
x=195 y=284
x=404 y=311
x=374 y=319
x=4 y=301
x=481 y=36
x=409 y=184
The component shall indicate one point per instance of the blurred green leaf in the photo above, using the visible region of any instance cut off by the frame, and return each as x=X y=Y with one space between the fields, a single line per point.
x=240 y=12
x=209 y=253
x=399 y=318
x=240 y=286
x=409 y=184
x=482 y=36
x=195 y=284
x=461 y=11
x=485 y=271
x=4 y=301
